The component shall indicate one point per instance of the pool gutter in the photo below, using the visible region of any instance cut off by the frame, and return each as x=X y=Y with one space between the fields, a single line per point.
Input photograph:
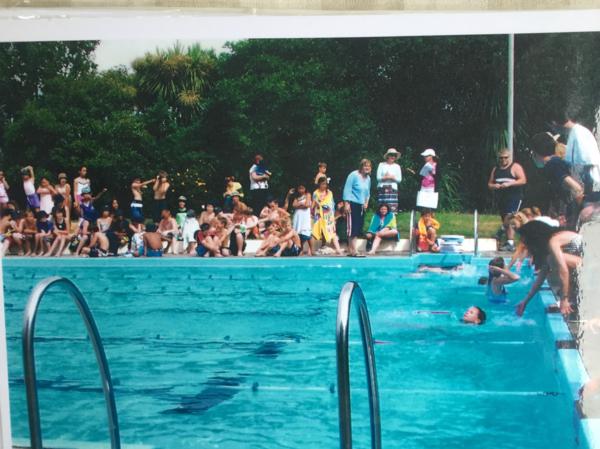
x=573 y=374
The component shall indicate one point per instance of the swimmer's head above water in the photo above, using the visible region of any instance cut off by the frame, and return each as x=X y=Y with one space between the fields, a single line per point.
x=474 y=315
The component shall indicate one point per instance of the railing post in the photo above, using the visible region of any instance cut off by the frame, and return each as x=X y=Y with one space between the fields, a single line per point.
x=343 y=366
x=411 y=236
x=29 y=359
x=475 y=233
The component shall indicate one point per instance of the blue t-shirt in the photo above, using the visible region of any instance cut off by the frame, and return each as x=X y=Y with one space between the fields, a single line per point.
x=45 y=226
x=357 y=188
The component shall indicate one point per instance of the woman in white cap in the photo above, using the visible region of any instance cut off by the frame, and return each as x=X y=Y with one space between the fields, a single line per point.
x=389 y=175
x=427 y=197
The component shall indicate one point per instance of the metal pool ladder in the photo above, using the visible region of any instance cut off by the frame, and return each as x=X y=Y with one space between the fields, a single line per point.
x=349 y=291
x=29 y=359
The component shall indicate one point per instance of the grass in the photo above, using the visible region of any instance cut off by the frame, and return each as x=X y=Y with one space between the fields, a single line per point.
x=451 y=223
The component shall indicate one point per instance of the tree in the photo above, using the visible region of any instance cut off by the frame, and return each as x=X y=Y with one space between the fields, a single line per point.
x=179 y=78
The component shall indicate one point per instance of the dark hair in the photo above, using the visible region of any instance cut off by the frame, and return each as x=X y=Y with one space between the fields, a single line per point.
x=383 y=205
x=41 y=214
x=204 y=227
x=481 y=314
x=495 y=262
x=58 y=198
x=7 y=212
x=543 y=144
x=151 y=227
x=536 y=235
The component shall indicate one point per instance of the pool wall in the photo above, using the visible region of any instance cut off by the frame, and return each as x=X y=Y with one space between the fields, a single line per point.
x=571 y=370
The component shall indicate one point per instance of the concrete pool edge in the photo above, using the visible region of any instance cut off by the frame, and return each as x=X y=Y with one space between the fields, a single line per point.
x=572 y=372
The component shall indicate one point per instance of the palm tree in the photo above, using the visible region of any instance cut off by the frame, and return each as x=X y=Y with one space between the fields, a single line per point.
x=177 y=76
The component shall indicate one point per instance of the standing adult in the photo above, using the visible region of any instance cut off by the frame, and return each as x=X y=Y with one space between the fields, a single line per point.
x=566 y=193
x=389 y=175
x=81 y=182
x=357 y=191
x=259 y=183
x=161 y=187
x=507 y=180
x=582 y=153
x=427 y=197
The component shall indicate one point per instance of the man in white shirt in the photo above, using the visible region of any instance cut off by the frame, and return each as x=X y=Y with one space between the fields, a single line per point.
x=582 y=153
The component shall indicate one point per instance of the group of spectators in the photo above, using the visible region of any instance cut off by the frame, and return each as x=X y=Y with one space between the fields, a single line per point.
x=570 y=163
x=46 y=227
x=63 y=216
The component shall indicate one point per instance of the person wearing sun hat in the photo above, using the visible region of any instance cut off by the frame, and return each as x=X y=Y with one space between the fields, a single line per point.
x=389 y=175
x=427 y=197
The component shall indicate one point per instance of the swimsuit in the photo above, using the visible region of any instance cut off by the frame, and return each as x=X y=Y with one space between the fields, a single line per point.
x=291 y=252
x=136 y=211
x=494 y=297
x=575 y=246
x=154 y=252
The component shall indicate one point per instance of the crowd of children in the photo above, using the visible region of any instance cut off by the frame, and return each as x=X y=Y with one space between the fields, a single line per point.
x=61 y=218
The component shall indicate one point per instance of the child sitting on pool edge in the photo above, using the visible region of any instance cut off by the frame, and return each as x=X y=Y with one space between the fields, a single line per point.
x=498 y=277
x=426 y=233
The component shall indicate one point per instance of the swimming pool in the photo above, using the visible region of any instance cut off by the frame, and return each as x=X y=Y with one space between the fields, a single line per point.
x=240 y=353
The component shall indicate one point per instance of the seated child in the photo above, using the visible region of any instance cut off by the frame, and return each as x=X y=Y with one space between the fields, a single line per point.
x=28 y=229
x=45 y=234
x=426 y=233
x=152 y=241
x=62 y=233
x=99 y=243
x=270 y=244
x=498 y=277
x=474 y=315
x=383 y=226
x=289 y=241
x=7 y=227
x=207 y=244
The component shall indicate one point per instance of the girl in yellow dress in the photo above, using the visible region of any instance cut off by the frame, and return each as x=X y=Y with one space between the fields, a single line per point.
x=323 y=212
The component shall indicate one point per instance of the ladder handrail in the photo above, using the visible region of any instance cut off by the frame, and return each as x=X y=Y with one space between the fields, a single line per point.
x=30 y=314
x=411 y=233
x=352 y=290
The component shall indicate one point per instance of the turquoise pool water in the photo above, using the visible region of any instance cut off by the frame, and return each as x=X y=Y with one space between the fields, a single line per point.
x=241 y=354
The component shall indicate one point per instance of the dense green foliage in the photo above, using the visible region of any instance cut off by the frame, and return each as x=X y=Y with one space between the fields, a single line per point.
x=201 y=116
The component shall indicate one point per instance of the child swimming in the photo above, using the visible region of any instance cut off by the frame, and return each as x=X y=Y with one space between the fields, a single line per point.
x=498 y=277
x=474 y=315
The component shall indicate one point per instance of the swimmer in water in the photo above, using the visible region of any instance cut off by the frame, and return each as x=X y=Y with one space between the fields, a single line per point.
x=474 y=315
x=438 y=269
x=498 y=277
